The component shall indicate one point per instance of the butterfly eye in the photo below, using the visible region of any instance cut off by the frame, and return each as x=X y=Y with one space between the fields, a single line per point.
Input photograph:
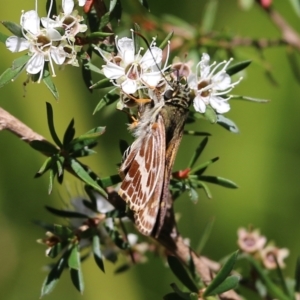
x=168 y=94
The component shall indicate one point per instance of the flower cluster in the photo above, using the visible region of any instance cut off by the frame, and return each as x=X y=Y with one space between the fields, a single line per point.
x=48 y=39
x=131 y=71
x=251 y=242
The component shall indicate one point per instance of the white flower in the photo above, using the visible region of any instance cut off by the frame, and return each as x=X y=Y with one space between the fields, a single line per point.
x=69 y=20
x=209 y=85
x=43 y=44
x=131 y=71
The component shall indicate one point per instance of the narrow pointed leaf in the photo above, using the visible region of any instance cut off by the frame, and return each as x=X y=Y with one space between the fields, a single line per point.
x=63 y=231
x=251 y=99
x=97 y=252
x=69 y=134
x=77 y=279
x=47 y=79
x=183 y=295
x=45 y=167
x=3 y=37
x=66 y=213
x=220 y=181
x=198 y=152
x=20 y=61
x=74 y=258
x=51 y=125
x=117 y=238
x=14 y=28
x=51 y=178
x=227 y=124
x=166 y=40
x=181 y=273
x=122 y=269
x=229 y=283
x=84 y=175
x=238 y=67
x=110 y=181
x=44 y=147
x=103 y=83
x=222 y=274
x=198 y=170
x=108 y=99
x=54 y=275
x=206 y=189
x=11 y=74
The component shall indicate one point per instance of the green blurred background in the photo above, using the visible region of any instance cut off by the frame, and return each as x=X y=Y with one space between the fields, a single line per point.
x=263 y=159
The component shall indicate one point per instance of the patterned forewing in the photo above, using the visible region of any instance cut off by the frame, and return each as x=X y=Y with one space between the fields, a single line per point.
x=145 y=219
x=143 y=168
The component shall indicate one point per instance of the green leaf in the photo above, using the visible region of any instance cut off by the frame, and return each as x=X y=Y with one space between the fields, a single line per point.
x=108 y=99
x=3 y=37
x=206 y=189
x=14 y=28
x=47 y=79
x=220 y=181
x=51 y=125
x=77 y=279
x=297 y=275
x=44 y=168
x=44 y=147
x=166 y=40
x=63 y=231
x=66 y=213
x=122 y=268
x=205 y=235
x=20 y=61
x=238 y=67
x=12 y=73
x=97 y=252
x=211 y=115
x=56 y=249
x=251 y=99
x=84 y=175
x=229 y=283
x=110 y=181
x=54 y=275
x=221 y=275
x=104 y=20
x=103 y=83
x=209 y=16
x=185 y=296
x=74 y=258
x=51 y=178
x=227 y=124
x=198 y=152
x=181 y=273
x=69 y=134
x=193 y=195
x=198 y=170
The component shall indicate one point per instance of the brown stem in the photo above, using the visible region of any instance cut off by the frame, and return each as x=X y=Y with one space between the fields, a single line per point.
x=169 y=236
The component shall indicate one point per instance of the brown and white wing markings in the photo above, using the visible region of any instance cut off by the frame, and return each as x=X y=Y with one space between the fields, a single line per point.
x=143 y=170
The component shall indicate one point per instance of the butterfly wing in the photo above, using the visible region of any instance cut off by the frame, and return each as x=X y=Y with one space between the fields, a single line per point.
x=143 y=174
